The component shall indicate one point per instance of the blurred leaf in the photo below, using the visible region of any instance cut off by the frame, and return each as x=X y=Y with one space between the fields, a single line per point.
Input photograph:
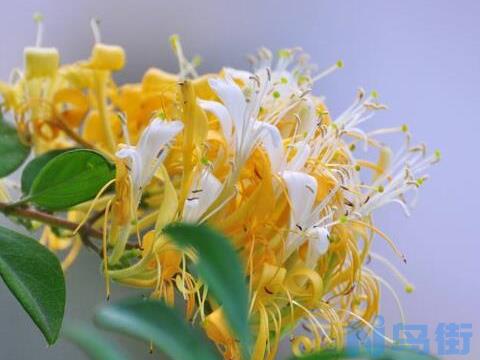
x=379 y=354
x=70 y=179
x=13 y=152
x=32 y=169
x=154 y=321
x=219 y=267
x=35 y=277
x=92 y=342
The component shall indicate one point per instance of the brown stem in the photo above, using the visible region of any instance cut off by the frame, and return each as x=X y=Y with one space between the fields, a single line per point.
x=86 y=232
x=72 y=134
x=46 y=218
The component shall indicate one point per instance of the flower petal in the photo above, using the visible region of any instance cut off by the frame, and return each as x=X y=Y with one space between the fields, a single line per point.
x=132 y=158
x=222 y=115
x=318 y=245
x=241 y=75
x=302 y=190
x=204 y=192
x=233 y=99
x=271 y=139
x=151 y=143
x=300 y=158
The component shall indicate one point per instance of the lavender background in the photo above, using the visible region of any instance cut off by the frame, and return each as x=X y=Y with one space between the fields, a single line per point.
x=422 y=56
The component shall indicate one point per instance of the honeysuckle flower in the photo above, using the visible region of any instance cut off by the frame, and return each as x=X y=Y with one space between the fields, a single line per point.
x=141 y=161
x=256 y=155
x=144 y=159
x=239 y=115
x=305 y=223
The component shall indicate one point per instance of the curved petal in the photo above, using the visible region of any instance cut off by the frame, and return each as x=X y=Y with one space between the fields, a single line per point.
x=300 y=158
x=132 y=158
x=222 y=115
x=157 y=134
x=233 y=99
x=271 y=140
x=241 y=75
x=318 y=245
x=302 y=190
x=151 y=143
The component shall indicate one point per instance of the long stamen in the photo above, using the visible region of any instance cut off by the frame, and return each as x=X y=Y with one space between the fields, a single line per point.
x=124 y=122
x=338 y=65
x=95 y=26
x=38 y=18
x=92 y=205
x=407 y=284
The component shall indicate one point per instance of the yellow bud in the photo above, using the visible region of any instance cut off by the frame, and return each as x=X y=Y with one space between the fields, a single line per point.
x=40 y=62
x=107 y=57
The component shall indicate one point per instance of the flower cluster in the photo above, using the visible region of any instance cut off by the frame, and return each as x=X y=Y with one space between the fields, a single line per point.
x=252 y=153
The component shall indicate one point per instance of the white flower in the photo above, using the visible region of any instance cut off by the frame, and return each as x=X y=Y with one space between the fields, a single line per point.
x=238 y=116
x=145 y=158
x=305 y=221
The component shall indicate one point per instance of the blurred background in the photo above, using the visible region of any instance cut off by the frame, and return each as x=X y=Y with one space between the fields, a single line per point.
x=423 y=57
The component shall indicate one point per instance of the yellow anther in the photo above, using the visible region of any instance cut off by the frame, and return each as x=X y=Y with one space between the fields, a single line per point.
x=107 y=57
x=40 y=62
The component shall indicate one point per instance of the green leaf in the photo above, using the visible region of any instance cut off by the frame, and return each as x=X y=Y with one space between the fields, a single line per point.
x=70 y=179
x=92 y=342
x=35 y=277
x=32 y=169
x=13 y=152
x=379 y=354
x=154 y=321
x=219 y=267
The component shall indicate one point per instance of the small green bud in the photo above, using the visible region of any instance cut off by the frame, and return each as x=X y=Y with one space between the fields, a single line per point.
x=38 y=17
x=284 y=53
